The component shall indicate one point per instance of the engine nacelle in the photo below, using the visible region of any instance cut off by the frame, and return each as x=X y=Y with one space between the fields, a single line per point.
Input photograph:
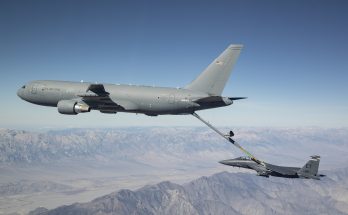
x=72 y=107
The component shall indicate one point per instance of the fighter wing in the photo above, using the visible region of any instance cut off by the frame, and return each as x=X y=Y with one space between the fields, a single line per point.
x=260 y=169
x=281 y=169
x=263 y=174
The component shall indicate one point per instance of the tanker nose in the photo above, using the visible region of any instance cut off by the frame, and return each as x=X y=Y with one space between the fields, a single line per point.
x=20 y=92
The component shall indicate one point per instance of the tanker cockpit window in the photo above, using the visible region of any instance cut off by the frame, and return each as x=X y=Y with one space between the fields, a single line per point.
x=23 y=87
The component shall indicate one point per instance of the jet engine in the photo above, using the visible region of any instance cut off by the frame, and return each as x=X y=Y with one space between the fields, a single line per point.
x=72 y=107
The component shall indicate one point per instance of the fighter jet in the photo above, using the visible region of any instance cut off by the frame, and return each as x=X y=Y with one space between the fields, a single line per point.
x=308 y=171
x=80 y=97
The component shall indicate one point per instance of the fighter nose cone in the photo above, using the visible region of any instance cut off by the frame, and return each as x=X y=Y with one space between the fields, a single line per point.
x=225 y=162
x=229 y=162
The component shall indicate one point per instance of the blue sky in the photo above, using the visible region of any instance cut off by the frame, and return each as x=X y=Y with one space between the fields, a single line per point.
x=293 y=68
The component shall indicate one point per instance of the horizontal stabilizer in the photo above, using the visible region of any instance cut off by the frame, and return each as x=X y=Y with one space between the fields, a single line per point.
x=211 y=99
x=237 y=98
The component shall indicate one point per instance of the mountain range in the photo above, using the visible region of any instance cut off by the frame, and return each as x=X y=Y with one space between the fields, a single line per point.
x=223 y=193
x=52 y=168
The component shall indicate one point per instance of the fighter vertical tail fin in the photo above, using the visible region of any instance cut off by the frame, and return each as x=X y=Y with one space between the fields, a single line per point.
x=213 y=79
x=310 y=169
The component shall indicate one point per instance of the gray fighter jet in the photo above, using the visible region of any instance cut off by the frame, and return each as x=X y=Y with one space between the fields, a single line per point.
x=309 y=171
x=78 y=97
